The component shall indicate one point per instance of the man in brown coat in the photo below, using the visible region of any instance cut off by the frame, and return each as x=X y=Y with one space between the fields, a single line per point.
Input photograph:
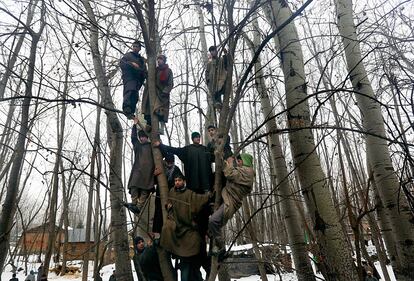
x=216 y=74
x=141 y=180
x=239 y=184
x=164 y=84
x=180 y=235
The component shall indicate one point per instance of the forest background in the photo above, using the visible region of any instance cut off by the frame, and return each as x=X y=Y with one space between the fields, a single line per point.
x=321 y=93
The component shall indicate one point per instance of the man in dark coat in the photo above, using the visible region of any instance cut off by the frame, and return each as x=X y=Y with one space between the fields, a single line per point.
x=146 y=260
x=141 y=180
x=197 y=163
x=239 y=184
x=180 y=235
x=216 y=75
x=134 y=73
x=164 y=84
x=171 y=171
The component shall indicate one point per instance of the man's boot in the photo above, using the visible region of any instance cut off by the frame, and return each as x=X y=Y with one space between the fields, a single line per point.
x=132 y=207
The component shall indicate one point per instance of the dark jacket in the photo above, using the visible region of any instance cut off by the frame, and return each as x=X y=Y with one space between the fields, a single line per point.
x=149 y=263
x=142 y=173
x=180 y=234
x=132 y=77
x=112 y=277
x=197 y=165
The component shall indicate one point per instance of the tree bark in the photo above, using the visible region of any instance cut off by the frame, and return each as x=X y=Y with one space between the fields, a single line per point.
x=396 y=205
x=10 y=201
x=313 y=181
x=115 y=133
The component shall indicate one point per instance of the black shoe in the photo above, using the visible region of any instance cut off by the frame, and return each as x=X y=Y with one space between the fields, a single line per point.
x=132 y=207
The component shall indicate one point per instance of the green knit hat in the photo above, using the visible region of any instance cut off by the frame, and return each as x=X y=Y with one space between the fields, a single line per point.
x=247 y=159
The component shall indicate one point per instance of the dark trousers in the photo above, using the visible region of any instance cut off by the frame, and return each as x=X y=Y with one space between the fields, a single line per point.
x=129 y=104
x=190 y=269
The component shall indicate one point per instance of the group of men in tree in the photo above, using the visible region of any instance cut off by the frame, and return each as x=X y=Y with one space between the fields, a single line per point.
x=190 y=217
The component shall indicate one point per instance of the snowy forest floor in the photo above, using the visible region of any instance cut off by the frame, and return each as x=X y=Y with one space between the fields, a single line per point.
x=106 y=271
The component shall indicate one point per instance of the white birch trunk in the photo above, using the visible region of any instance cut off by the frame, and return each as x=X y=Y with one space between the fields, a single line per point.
x=313 y=181
x=396 y=205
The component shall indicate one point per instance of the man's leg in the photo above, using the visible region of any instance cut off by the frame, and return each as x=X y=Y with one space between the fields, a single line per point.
x=215 y=222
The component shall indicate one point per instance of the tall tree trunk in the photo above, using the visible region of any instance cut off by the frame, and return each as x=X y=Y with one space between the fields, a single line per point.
x=10 y=201
x=313 y=181
x=115 y=133
x=290 y=214
x=396 y=205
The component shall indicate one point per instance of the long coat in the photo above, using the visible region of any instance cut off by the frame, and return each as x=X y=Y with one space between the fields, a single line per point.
x=132 y=77
x=158 y=220
x=180 y=234
x=163 y=86
x=142 y=174
x=239 y=185
x=197 y=165
x=216 y=73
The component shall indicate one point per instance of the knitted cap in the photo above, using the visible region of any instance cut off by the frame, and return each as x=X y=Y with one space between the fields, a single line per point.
x=138 y=239
x=247 y=159
x=195 y=135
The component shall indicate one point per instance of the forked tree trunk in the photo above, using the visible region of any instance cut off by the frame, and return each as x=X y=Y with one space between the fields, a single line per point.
x=312 y=178
x=396 y=205
x=115 y=134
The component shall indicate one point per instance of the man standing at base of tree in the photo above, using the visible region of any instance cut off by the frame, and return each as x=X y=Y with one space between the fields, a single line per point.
x=180 y=235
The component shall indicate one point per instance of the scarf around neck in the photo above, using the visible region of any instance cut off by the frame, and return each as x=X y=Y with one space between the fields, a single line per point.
x=163 y=74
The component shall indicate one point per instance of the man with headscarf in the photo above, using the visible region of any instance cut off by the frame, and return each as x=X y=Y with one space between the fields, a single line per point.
x=134 y=73
x=164 y=83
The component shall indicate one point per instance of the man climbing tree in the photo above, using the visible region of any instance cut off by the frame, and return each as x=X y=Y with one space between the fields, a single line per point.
x=214 y=140
x=216 y=73
x=239 y=184
x=164 y=84
x=134 y=73
x=141 y=180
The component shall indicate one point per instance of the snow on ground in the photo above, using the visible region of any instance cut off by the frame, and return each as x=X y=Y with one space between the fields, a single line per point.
x=107 y=270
